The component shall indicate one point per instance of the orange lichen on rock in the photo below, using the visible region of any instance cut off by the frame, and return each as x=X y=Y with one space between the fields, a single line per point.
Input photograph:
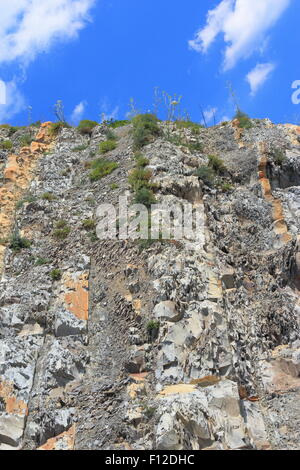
x=280 y=227
x=12 y=404
x=77 y=298
x=17 y=175
x=64 y=441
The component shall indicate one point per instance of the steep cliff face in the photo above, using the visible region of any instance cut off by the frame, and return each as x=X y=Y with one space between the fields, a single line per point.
x=80 y=368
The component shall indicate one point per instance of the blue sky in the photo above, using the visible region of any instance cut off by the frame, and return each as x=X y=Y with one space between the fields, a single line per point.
x=95 y=55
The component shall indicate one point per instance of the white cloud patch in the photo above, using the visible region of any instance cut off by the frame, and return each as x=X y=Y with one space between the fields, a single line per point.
x=15 y=102
x=258 y=76
x=78 y=112
x=29 y=27
x=209 y=115
x=244 y=25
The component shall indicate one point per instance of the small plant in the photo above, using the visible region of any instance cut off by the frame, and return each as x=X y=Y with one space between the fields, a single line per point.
x=144 y=196
x=243 y=119
x=55 y=127
x=141 y=161
x=93 y=236
x=216 y=163
x=59 y=111
x=62 y=230
x=6 y=145
x=42 y=261
x=110 y=135
x=149 y=411
x=145 y=129
x=25 y=140
x=86 y=126
x=17 y=243
x=107 y=146
x=101 y=168
x=120 y=123
x=226 y=187
x=80 y=148
x=48 y=197
x=152 y=328
x=206 y=174
x=27 y=199
x=278 y=155
x=139 y=178
x=193 y=126
x=89 y=224
x=55 y=274
x=195 y=146
x=114 y=186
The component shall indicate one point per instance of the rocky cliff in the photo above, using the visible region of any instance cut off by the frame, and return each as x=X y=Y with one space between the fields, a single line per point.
x=114 y=345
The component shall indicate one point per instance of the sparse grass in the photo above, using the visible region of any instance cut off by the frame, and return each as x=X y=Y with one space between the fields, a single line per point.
x=17 y=243
x=145 y=129
x=48 y=197
x=141 y=161
x=216 y=163
x=80 y=148
x=243 y=120
x=120 y=123
x=86 y=126
x=193 y=126
x=110 y=135
x=278 y=156
x=27 y=199
x=226 y=187
x=56 y=127
x=149 y=411
x=101 y=168
x=25 y=140
x=182 y=142
x=89 y=224
x=62 y=230
x=139 y=178
x=195 y=146
x=6 y=145
x=55 y=274
x=107 y=146
x=11 y=129
x=144 y=196
x=206 y=174
x=114 y=186
x=42 y=261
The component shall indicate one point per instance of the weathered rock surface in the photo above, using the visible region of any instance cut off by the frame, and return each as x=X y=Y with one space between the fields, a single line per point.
x=80 y=367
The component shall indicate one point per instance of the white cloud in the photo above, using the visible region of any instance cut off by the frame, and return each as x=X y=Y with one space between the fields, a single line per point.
x=15 y=102
x=106 y=112
x=209 y=115
x=244 y=25
x=78 y=112
x=28 y=27
x=257 y=76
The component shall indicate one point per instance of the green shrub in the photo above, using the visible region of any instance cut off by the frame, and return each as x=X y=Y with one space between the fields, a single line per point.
x=216 y=163
x=278 y=155
x=243 y=120
x=89 y=224
x=139 y=178
x=152 y=328
x=86 y=126
x=55 y=127
x=48 y=197
x=193 y=126
x=6 y=145
x=107 y=146
x=61 y=230
x=55 y=274
x=25 y=140
x=114 y=186
x=115 y=124
x=206 y=174
x=145 y=129
x=195 y=146
x=110 y=135
x=17 y=243
x=226 y=187
x=101 y=168
x=141 y=161
x=80 y=148
x=23 y=201
x=144 y=196
x=42 y=261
